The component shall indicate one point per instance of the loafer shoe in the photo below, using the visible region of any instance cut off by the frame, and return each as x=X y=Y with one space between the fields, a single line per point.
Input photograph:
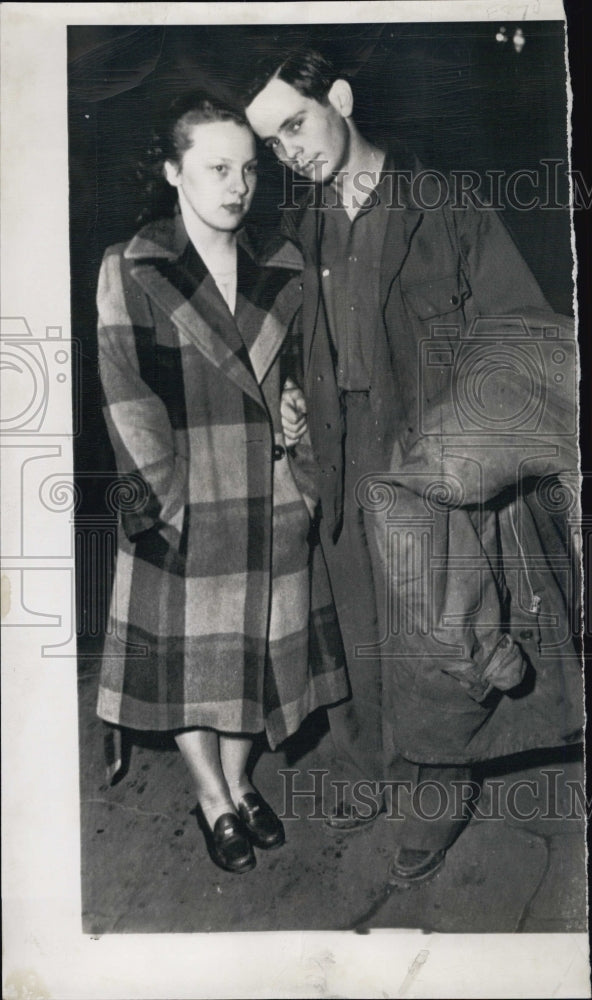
x=228 y=844
x=264 y=828
x=347 y=820
x=410 y=867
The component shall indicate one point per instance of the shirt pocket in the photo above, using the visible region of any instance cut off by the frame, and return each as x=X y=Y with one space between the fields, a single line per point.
x=437 y=297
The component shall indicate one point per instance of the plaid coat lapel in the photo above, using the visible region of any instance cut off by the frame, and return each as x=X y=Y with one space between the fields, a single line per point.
x=171 y=272
x=267 y=303
x=303 y=226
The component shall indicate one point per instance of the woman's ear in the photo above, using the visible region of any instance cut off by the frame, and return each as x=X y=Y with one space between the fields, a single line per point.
x=342 y=98
x=172 y=173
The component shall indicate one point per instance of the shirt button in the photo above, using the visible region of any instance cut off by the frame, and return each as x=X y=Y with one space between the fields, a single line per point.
x=326 y=272
x=352 y=308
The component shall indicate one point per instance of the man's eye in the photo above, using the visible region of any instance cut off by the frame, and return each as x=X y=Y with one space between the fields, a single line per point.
x=252 y=168
x=272 y=143
x=221 y=168
x=295 y=126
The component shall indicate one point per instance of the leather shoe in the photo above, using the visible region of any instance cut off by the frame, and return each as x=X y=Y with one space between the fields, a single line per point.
x=410 y=866
x=228 y=844
x=347 y=821
x=261 y=823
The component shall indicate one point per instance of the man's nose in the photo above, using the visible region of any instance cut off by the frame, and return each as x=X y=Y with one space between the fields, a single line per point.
x=292 y=149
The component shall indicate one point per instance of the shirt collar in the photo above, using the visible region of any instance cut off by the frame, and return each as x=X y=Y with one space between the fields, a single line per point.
x=374 y=196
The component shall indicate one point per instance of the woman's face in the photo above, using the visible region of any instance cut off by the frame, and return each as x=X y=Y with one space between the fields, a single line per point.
x=217 y=176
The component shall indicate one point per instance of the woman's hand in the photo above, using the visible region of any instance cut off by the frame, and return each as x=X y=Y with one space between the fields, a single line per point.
x=293 y=413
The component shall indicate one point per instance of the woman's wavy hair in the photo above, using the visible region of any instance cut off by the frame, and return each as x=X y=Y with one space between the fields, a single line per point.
x=170 y=139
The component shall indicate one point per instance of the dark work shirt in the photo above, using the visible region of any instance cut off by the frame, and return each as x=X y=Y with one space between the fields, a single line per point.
x=350 y=269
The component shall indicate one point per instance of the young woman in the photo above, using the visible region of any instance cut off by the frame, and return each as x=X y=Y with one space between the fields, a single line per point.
x=221 y=622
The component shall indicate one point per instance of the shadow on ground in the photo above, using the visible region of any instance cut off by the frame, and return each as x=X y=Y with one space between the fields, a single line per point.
x=145 y=866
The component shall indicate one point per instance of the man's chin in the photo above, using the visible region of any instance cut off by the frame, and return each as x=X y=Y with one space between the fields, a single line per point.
x=316 y=175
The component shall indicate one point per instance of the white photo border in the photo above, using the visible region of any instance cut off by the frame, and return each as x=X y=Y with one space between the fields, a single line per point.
x=46 y=953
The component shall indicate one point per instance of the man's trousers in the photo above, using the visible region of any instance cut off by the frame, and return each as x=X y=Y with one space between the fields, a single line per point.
x=361 y=731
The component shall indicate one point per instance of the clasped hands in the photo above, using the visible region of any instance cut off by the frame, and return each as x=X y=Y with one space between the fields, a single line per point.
x=293 y=413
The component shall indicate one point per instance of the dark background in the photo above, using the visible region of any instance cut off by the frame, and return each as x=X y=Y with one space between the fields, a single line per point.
x=451 y=92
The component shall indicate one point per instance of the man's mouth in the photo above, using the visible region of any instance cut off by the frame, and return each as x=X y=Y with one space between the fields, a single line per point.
x=305 y=167
x=235 y=207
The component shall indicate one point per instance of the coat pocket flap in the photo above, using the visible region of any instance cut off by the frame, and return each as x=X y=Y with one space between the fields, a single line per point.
x=436 y=297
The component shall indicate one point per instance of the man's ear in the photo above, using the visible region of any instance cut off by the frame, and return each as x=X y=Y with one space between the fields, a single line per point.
x=342 y=98
x=172 y=173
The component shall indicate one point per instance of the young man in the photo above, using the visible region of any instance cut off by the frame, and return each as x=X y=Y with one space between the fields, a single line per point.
x=389 y=265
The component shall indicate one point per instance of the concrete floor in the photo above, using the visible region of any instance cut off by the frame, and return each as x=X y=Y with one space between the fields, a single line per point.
x=145 y=866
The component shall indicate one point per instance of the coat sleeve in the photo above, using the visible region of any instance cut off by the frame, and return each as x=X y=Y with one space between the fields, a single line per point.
x=137 y=420
x=501 y=287
x=501 y=281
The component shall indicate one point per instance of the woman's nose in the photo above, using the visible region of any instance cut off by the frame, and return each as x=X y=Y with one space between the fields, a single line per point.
x=239 y=184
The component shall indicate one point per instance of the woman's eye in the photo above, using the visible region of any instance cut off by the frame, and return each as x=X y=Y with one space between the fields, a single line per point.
x=295 y=126
x=252 y=169
x=272 y=143
x=221 y=168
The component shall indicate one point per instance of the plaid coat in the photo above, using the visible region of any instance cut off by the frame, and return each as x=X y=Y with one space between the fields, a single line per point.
x=221 y=613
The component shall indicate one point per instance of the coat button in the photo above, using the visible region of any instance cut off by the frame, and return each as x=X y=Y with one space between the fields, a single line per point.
x=278 y=452
x=326 y=272
x=455 y=300
x=300 y=286
x=320 y=378
x=526 y=633
x=333 y=468
x=328 y=427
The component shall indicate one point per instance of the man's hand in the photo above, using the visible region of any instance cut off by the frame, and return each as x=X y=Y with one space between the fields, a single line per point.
x=293 y=413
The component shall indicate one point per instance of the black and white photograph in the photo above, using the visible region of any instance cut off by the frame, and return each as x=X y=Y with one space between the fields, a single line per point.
x=319 y=501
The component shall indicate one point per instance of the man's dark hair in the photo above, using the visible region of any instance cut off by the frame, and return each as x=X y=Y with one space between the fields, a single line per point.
x=307 y=70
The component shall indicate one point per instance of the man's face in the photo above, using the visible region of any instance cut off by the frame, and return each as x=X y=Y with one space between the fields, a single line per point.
x=311 y=138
